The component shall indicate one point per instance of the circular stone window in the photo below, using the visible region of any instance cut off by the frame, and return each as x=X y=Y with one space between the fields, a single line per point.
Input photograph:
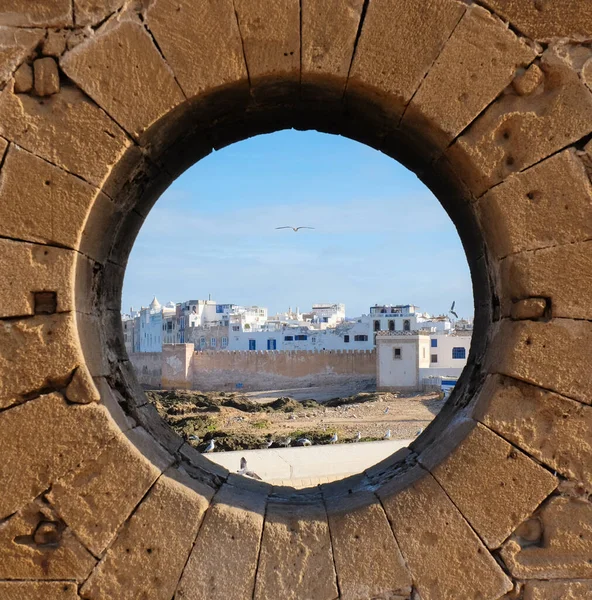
x=101 y=111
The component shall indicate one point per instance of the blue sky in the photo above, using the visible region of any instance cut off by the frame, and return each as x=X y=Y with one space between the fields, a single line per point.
x=380 y=235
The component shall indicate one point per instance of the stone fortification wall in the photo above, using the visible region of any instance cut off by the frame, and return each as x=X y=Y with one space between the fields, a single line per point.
x=281 y=370
x=148 y=367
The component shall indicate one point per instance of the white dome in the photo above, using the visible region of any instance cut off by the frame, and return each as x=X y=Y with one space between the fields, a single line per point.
x=155 y=304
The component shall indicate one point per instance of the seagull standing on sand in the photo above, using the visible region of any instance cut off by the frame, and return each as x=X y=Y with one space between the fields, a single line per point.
x=358 y=436
x=285 y=443
x=209 y=447
x=304 y=442
x=294 y=228
x=245 y=471
x=333 y=439
x=386 y=410
x=419 y=431
x=194 y=438
x=387 y=435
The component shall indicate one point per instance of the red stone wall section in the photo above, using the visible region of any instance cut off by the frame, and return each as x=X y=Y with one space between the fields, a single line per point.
x=103 y=104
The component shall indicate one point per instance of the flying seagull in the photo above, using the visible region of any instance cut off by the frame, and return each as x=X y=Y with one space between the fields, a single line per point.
x=245 y=471
x=210 y=446
x=452 y=309
x=293 y=228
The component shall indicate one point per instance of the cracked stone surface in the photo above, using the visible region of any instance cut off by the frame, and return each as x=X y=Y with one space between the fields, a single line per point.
x=103 y=104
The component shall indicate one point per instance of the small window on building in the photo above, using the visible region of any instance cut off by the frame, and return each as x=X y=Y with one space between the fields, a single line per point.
x=376 y=325
x=202 y=342
x=288 y=338
x=459 y=353
x=224 y=342
x=252 y=345
x=361 y=338
x=434 y=358
x=434 y=343
x=391 y=325
x=397 y=353
x=213 y=342
x=300 y=338
x=313 y=340
x=406 y=325
x=235 y=328
x=346 y=339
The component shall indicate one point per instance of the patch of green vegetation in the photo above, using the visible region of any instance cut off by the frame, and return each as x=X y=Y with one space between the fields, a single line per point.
x=261 y=424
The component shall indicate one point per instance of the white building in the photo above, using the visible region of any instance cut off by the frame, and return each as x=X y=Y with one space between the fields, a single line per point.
x=406 y=360
x=151 y=321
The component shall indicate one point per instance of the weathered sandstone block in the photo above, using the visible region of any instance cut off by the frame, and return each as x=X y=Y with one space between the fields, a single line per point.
x=270 y=30
x=55 y=42
x=66 y=129
x=367 y=558
x=16 y=45
x=329 y=30
x=184 y=31
x=47 y=438
x=552 y=355
x=82 y=390
x=564 y=547
x=23 y=79
x=91 y=12
x=518 y=131
x=437 y=542
x=47 y=344
x=398 y=44
x=223 y=562
x=38 y=590
x=563 y=274
x=150 y=552
x=543 y=20
x=494 y=485
x=32 y=268
x=36 y=544
x=51 y=194
x=47 y=78
x=558 y=590
x=551 y=428
x=96 y=499
x=515 y=215
x=123 y=72
x=296 y=533
x=23 y=13
x=476 y=64
x=528 y=81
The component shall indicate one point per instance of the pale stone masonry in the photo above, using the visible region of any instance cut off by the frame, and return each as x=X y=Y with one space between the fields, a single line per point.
x=103 y=104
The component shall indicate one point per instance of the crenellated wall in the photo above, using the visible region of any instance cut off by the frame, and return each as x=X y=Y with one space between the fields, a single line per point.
x=254 y=370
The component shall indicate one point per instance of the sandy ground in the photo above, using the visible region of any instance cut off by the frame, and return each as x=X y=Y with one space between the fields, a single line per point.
x=371 y=413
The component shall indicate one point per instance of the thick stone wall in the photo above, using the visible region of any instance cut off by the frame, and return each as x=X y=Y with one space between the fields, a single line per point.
x=103 y=104
x=148 y=367
x=281 y=370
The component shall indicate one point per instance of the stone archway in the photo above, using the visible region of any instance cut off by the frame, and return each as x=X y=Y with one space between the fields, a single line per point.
x=494 y=498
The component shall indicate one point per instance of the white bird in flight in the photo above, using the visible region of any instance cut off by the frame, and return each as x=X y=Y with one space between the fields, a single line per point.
x=210 y=446
x=294 y=228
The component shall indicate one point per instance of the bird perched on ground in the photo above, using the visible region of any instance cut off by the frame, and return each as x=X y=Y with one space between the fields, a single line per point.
x=304 y=442
x=419 y=431
x=452 y=309
x=286 y=442
x=294 y=228
x=358 y=436
x=194 y=438
x=210 y=446
x=269 y=443
x=333 y=439
x=387 y=435
x=386 y=410
x=244 y=470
